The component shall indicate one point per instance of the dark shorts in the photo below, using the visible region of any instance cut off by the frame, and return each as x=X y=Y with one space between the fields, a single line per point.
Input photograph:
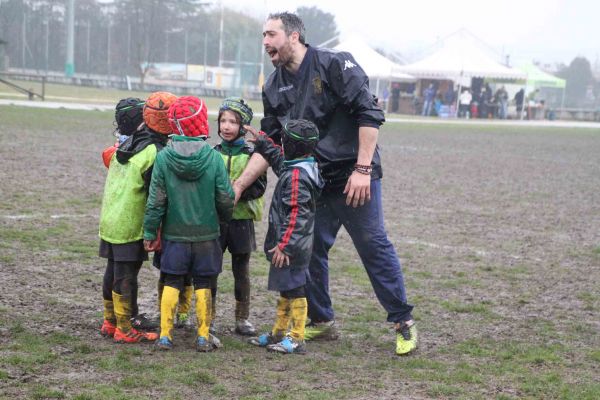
x=238 y=236
x=286 y=278
x=133 y=251
x=197 y=258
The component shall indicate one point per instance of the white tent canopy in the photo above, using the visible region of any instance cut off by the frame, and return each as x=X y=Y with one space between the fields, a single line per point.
x=374 y=64
x=458 y=59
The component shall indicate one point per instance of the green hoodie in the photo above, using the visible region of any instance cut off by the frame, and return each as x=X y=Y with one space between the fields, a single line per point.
x=190 y=192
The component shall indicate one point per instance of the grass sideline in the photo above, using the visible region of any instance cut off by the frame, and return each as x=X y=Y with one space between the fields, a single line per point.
x=50 y=313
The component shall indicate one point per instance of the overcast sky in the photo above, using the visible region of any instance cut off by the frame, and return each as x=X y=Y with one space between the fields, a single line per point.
x=544 y=30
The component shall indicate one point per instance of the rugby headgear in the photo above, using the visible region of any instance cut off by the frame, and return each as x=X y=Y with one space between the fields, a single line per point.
x=241 y=108
x=188 y=116
x=299 y=138
x=129 y=115
x=156 y=111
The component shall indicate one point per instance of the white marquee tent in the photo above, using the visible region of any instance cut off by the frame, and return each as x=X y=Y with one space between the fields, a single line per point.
x=376 y=66
x=460 y=59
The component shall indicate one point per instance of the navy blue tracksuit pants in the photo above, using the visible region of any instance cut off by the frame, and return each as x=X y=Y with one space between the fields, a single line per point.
x=366 y=228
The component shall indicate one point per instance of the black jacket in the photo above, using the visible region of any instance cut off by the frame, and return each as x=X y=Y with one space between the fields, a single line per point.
x=293 y=206
x=331 y=90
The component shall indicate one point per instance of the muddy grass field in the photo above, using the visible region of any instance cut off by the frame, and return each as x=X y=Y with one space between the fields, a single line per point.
x=498 y=230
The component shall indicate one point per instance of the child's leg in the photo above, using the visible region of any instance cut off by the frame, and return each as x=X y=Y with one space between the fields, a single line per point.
x=125 y=273
x=160 y=287
x=283 y=317
x=298 y=312
x=240 y=265
x=203 y=304
x=185 y=296
x=110 y=320
x=214 y=280
x=168 y=303
x=134 y=292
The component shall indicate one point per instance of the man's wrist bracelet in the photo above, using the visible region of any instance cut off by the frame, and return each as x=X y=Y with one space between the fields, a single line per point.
x=363 y=169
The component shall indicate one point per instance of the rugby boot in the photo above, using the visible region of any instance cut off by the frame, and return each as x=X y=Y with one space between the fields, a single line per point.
x=406 y=337
x=321 y=331
x=134 y=336
x=288 y=345
x=141 y=322
x=264 y=340
x=108 y=329
x=242 y=325
x=164 y=343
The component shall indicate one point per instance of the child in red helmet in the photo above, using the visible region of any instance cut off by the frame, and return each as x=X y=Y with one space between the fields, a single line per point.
x=238 y=235
x=190 y=195
x=121 y=218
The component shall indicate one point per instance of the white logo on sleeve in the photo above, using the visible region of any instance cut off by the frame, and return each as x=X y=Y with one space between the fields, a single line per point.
x=348 y=64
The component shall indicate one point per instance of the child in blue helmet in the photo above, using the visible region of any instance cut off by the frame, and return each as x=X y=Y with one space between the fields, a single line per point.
x=238 y=235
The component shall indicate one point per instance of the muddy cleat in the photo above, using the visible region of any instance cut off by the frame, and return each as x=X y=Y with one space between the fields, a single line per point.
x=264 y=340
x=107 y=329
x=203 y=345
x=288 y=345
x=406 y=337
x=143 y=323
x=164 y=343
x=244 y=327
x=215 y=341
x=134 y=336
x=321 y=331
x=183 y=321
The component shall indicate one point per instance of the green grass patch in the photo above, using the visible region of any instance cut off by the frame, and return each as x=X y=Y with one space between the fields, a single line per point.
x=467 y=308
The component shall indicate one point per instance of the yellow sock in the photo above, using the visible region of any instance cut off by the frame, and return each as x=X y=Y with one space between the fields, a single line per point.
x=122 y=307
x=168 y=304
x=203 y=311
x=298 y=310
x=283 y=318
x=185 y=300
x=109 y=311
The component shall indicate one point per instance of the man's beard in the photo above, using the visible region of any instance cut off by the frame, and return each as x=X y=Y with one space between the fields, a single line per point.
x=284 y=56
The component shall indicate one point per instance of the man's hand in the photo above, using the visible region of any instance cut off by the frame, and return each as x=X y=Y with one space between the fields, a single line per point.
x=279 y=257
x=238 y=189
x=253 y=133
x=358 y=189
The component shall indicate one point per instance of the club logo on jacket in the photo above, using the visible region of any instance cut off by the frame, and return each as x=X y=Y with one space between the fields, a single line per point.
x=348 y=64
x=318 y=85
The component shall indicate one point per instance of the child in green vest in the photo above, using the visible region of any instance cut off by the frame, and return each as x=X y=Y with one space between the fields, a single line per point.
x=238 y=235
x=121 y=218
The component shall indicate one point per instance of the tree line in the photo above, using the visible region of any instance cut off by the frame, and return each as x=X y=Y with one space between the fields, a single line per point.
x=119 y=37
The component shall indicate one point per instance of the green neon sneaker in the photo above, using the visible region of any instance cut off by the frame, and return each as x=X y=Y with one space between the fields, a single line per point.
x=183 y=321
x=406 y=337
x=321 y=331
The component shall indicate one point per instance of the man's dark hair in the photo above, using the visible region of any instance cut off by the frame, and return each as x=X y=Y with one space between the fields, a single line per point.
x=291 y=23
